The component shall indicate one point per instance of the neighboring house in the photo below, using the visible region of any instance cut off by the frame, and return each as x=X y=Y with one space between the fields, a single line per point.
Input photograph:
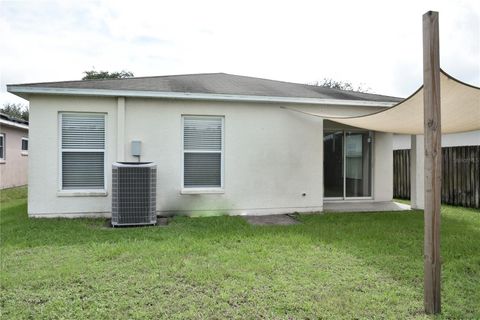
x=222 y=144
x=13 y=152
x=470 y=138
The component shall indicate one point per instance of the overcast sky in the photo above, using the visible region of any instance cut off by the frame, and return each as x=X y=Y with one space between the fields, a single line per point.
x=375 y=43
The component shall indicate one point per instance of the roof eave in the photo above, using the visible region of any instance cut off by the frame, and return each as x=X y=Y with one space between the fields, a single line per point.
x=13 y=124
x=24 y=91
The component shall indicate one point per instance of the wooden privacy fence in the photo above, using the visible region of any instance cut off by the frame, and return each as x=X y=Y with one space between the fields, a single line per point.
x=401 y=174
x=460 y=175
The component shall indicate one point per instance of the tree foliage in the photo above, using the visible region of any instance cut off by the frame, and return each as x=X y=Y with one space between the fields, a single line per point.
x=95 y=75
x=341 y=85
x=15 y=110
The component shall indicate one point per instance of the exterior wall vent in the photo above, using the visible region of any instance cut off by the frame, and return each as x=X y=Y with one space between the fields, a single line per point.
x=134 y=193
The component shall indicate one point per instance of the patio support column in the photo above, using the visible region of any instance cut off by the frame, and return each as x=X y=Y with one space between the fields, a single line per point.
x=417 y=159
x=433 y=161
x=121 y=129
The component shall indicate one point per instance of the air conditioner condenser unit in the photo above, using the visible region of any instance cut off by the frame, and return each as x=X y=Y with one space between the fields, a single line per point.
x=134 y=193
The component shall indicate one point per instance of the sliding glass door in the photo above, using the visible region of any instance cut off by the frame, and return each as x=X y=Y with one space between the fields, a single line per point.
x=347 y=164
x=358 y=164
x=333 y=164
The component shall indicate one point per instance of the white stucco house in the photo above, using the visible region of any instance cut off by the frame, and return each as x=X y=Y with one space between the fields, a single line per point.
x=222 y=144
x=13 y=151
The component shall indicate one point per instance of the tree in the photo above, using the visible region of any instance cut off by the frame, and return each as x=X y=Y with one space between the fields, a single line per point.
x=341 y=85
x=95 y=75
x=15 y=110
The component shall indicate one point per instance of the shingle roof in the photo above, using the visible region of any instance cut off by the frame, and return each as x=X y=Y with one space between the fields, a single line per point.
x=13 y=119
x=216 y=83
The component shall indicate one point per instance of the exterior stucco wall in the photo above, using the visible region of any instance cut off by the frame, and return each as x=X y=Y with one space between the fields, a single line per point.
x=383 y=167
x=13 y=169
x=43 y=170
x=272 y=155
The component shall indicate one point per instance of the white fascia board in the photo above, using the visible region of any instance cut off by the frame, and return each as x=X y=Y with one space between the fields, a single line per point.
x=193 y=96
x=13 y=124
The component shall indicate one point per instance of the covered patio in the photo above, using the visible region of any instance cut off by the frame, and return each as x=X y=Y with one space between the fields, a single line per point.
x=460 y=110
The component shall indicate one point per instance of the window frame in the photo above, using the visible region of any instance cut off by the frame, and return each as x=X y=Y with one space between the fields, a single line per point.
x=200 y=190
x=81 y=192
x=3 y=156
x=24 y=151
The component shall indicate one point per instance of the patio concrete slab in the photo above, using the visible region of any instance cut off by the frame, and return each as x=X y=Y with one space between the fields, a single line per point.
x=359 y=206
x=273 y=220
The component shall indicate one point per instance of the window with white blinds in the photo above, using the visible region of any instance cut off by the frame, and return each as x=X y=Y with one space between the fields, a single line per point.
x=82 y=151
x=202 y=152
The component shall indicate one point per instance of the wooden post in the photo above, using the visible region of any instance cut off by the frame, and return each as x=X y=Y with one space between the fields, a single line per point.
x=433 y=161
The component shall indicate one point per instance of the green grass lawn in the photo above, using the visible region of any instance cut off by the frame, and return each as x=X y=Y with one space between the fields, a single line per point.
x=329 y=266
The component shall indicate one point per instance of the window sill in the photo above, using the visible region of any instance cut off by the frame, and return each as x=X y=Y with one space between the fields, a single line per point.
x=202 y=191
x=2 y=161
x=24 y=153
x=82 y=193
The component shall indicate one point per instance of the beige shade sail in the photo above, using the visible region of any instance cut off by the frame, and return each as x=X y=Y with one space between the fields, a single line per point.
x=460 y=111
